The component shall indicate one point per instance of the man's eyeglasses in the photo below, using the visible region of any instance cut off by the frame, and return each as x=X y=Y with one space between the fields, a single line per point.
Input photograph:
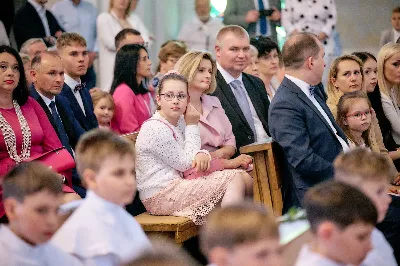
x=170 y=96
x=359 y=115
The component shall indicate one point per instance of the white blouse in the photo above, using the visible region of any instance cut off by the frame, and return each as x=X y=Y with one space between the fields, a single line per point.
x=160 y=158
x=16 y=252
x=101 y=233
x=392 y=113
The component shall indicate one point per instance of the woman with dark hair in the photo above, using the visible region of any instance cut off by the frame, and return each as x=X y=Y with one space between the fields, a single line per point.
x=268 y=63
x=374 y=94
x=133 y=102
x=25 y=131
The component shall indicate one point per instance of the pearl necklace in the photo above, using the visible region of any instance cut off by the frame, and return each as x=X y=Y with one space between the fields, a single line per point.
x=10 y=139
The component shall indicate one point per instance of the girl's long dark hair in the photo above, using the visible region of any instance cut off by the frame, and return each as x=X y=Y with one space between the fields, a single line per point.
x=125 y=69
x=21 y=92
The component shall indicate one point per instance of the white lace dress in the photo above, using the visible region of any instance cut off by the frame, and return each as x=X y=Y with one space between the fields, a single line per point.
x=163 y=154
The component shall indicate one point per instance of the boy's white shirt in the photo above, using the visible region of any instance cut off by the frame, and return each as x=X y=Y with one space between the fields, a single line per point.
x=101 y=233
x=16 y=252
x=381 y=254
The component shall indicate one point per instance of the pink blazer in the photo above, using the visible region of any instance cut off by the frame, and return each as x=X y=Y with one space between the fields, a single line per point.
x=130 y=110
x=215 y=127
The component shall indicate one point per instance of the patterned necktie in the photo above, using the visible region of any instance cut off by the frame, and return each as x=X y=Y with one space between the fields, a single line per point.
x=241 y=98
x=263 y=19
x=78 y=87
x=313 y=90
x=60 y=127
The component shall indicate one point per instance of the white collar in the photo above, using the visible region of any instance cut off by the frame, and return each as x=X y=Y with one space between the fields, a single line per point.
x=304 y=86
x=18 y=245
x=71 y=82
x=39 y=8
x=228 y=77
x=313 y=258
x=46 y=100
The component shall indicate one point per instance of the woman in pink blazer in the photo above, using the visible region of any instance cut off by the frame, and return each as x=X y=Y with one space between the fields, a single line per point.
x=133 y=102
x=215 y=128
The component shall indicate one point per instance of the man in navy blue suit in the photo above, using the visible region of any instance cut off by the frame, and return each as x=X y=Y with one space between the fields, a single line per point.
x=72 y=50
x=301 y=122
x=48 y=78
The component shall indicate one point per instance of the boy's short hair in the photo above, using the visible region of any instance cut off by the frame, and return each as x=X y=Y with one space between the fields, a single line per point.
x=339 y=203
x=70 y=38
x=98 y=144
x=364 y=164
x=235 y=225
x=396 y=9
x=29 y=178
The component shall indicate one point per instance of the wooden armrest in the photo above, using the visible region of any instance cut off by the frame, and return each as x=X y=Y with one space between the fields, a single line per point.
x=131 y=137
x=257 y=146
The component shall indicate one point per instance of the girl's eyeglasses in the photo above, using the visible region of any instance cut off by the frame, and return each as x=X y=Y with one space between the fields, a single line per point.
x=359 y=115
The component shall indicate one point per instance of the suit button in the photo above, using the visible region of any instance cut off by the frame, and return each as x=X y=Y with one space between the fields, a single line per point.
x=249 y=137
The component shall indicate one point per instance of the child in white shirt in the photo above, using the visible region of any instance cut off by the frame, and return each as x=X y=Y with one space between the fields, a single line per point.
x=370 y=172
x=101 y=231
x=341 y=219
x=32 y=194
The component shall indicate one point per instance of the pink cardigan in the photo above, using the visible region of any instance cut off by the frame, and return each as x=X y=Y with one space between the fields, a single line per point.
x=130 y=110
x=215 y=127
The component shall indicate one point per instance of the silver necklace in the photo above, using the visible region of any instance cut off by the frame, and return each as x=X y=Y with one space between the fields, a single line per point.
x=10 y=139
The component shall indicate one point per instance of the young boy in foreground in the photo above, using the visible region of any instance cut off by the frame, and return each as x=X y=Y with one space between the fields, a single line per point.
x=101 y=231
x=341 y=219
x=242 y=234
x=371 y=173
x=32 y=194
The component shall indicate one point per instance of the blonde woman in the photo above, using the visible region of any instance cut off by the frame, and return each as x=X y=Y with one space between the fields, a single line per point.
x=389 y=84
x=108 y=25
x=346 y=75
x=215 y=128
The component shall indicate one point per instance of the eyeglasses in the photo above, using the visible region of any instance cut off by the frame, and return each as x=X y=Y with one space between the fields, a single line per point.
x=359 y=115
x=170 y=96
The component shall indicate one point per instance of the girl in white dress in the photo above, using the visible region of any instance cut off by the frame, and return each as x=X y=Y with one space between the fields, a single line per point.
x=169 y=144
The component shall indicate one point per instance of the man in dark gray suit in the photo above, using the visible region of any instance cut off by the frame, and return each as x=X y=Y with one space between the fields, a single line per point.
x=301 y=122
x=242 y=96
x=258 y=17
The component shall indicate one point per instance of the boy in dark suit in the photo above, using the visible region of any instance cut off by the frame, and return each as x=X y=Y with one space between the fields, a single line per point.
x=72 y=50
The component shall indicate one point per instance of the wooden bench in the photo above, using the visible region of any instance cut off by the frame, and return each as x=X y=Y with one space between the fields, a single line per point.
x=178 y=229
x=266 y=174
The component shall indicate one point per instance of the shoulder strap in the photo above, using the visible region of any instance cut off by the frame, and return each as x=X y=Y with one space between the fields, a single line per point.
x=168 y=125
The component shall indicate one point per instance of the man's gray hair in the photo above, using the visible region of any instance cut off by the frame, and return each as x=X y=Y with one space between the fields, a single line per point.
x=25 y=46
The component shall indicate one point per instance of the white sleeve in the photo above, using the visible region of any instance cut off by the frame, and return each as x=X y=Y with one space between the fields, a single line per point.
x=330 y=23
x=104 y=260
x=160 y=142
x=391 y=113
x=105 y=31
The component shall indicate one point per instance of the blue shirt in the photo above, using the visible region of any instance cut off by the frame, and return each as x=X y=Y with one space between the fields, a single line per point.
x=79 y=18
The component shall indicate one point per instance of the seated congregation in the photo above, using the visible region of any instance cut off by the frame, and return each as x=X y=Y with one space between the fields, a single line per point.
x=64 y=144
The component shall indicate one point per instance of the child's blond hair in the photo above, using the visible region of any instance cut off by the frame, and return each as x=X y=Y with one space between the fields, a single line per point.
x=97 y=95
x=235 y=225
x=70 y=38
x=97 y=145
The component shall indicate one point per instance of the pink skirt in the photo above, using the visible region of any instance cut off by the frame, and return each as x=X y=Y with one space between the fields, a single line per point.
x=193 y=198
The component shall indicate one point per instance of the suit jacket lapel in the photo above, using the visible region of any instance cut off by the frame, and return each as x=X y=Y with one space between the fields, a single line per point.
x=227 y=91
x=258 y=105
x=37 y=18
x=75 y=105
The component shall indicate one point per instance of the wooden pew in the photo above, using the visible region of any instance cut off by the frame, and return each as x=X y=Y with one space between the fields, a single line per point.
x=177 y=229
x=266 y=174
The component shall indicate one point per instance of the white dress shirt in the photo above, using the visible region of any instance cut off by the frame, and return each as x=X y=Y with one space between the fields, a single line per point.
x=101 y=233
x=260 y=132
x=16 y=252
x=305 y=87
x=79 y=18
x=258 y=27
x=199 y=35
x=47 y=101
x=307 y=257
x=72 y=83
x=42 y=14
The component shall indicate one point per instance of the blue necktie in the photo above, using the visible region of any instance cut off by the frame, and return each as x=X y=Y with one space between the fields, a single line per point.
x=263 y=19
x=241 y=98
x=312 y=90
x=60 y=127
